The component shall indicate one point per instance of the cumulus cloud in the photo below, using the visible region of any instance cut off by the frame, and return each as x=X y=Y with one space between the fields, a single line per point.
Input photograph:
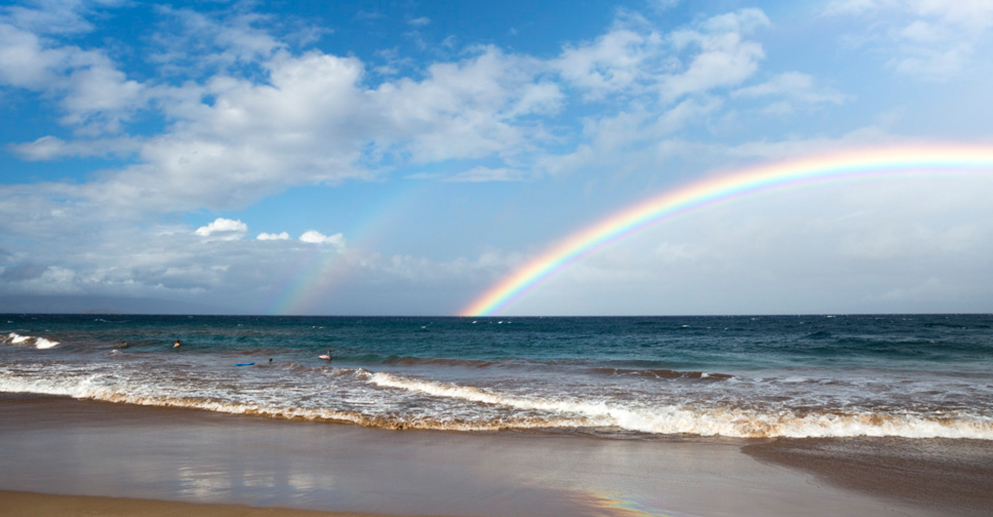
x=314 y=118
x=725 y=57
x=94 y=95
x=223 y=229
x=633 y=58
x=282 y=236
x=623 y=59
x=316 y=237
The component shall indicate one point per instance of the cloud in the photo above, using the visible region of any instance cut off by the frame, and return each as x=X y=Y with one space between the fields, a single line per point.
x=25 y=271
x=633 y=58
x=56 y=17
x=316 y=237
x=51 y=148
x=419 y=22
x=262 y=119
x=622 y=60
x=724 y=58
x=198 y=43
x=94 y=96
x=484 y=174
x=223 y=229
x=931 y=39
x=794 y=86
x=282 y=236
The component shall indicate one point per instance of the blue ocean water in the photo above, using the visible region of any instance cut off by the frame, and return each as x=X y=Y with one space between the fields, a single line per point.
x=630 y=377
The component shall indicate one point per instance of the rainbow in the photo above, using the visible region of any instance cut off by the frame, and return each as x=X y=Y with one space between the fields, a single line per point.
x=712 y=190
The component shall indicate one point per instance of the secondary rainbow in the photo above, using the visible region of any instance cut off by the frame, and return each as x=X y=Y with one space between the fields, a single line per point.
x=798 y=172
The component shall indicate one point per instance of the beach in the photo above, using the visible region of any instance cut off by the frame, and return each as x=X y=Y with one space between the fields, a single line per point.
x=526 y=417
x=27 y=503
x=151 y=455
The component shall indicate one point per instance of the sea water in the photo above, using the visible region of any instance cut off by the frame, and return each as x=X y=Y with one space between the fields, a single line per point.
x=915 y=376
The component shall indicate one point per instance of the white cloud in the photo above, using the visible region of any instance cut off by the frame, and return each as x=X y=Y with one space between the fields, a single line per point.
x=56 y=17
x=621 y=60
x=223 y=229
x=724 y=57
x=51 y=148
x=795 y=86
x=633 y=58
x=94 y=96
x=316 y=237
x=282 y=236
x=931 y=39
x=219 y=42
x=462 y=110
x=419 y=22
x=233 y=140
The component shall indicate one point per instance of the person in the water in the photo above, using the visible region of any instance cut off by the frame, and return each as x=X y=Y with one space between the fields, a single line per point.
x=176 y=345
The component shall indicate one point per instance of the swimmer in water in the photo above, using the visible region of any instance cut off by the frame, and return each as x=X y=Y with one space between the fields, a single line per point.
x=176 y=345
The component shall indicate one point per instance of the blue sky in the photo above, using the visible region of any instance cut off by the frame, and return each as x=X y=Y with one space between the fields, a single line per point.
x=401 y=157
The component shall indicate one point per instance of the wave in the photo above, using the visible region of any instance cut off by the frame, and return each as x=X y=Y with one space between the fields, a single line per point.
x=741 y=423
x=512 y=412
x=38 y=342
x=662 y=373
x=393 y=422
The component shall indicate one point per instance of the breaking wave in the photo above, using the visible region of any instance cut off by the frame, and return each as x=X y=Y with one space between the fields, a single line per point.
x=19 y=340
x=391 y=401
x=671 y=420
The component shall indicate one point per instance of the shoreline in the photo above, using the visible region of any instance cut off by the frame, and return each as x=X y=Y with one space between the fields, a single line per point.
x=60 y=445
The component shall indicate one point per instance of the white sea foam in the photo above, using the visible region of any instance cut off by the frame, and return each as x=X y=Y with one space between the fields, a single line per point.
x=38 y=342
x=716 y=421
x=381 y=400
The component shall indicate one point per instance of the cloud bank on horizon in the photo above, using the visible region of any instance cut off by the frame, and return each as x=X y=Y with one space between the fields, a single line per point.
x=298 y=159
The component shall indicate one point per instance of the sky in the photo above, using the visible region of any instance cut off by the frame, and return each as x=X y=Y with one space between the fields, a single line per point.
x=402 y=158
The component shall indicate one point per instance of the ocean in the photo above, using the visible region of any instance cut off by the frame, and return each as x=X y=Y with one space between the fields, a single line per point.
x=630 y=378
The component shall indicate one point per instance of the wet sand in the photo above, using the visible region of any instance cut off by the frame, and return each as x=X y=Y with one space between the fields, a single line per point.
x=54 y=445
x=28 y=504
x=935 y=473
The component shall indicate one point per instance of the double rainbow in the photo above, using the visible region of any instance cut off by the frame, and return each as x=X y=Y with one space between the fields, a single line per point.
x=900 y=161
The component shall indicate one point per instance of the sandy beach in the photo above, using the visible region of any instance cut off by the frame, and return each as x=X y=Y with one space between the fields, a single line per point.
x=33 y=504
x=160 y=459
